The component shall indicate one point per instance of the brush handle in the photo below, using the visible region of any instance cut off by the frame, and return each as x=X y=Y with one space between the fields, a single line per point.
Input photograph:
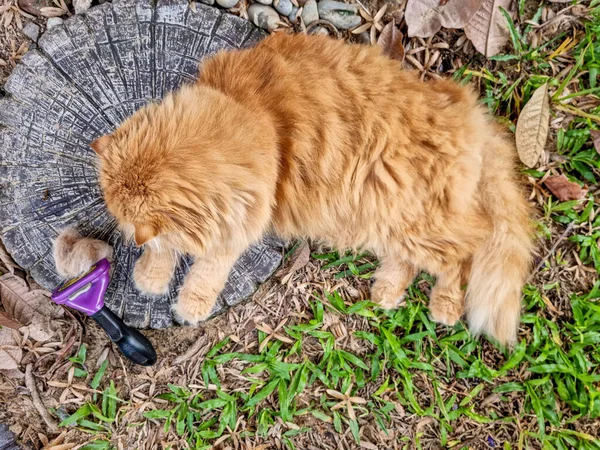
x=133 y=344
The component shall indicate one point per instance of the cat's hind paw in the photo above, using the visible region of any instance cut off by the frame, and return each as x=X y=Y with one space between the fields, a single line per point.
x=445 y=310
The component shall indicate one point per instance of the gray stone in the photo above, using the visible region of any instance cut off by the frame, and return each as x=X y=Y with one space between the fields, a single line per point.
x=7 y=439
x=86 y=78
x=227 y=3
x=293 y=16
x=53 y=22
x=32 y=31
x=208 y=2
x=81 y=6
x=364 y=38
x=319 y=30
x=265 y=2
x=343 y=16
x=263 y=16
x=283 y=7
x=310 y=12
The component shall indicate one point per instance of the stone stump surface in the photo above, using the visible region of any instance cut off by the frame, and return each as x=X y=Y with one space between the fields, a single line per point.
x=83 y=79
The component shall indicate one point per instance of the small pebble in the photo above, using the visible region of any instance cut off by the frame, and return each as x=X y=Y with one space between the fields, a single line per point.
x=53 y=22
x=265 y=2
x=294 y=14
x=343 y=16
x=319 y=30
x=364 y=38
x=227 y=3
x=310 y=12
x=208 y=2
x=81 y=6
x=283 y=7
x=263 y=16
x=32 y=31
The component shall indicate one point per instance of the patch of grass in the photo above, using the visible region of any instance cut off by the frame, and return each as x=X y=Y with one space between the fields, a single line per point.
x=558 y=363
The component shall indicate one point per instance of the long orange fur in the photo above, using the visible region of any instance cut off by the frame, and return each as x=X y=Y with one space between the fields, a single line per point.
x=310 y=137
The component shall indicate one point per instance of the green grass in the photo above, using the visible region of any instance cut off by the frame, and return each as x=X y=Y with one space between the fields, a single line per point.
x=558 y=362
x=544 y=389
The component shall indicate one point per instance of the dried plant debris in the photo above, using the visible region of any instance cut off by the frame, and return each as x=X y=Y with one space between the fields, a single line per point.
x=533 y=126
x=426 y=17
x=32 y=308
x=564 y=189
x=488 y=28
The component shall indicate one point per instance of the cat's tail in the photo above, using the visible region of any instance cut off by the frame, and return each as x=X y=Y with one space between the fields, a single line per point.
x=501 y=265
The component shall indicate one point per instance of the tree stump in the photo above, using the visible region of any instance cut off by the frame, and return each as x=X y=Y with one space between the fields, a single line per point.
x=83 y=80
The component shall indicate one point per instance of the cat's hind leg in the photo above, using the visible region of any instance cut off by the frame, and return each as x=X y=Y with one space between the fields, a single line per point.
x=447 y=303
x=154 y=269
x=392 y=278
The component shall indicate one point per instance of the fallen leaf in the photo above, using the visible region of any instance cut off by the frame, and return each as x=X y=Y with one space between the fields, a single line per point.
x=7 y=260
x=33 y=6
x=10 y=353
x=52 y=11
x=595 y=134
x=426 y=17
x=390 y=41
x=13 y=374
x=33 y=309
x=300 y=257
x=6 y=321
x=565 y=190
x=487 y=28
x=532 y=126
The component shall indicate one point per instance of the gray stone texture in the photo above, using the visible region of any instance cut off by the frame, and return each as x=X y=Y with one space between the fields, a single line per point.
x=86 y=77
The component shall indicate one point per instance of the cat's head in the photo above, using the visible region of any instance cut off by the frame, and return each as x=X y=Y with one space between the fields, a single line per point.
x=146 y=176
x=176 y=169
x=131 y=184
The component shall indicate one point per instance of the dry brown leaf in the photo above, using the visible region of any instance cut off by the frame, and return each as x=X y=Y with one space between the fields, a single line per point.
x=487 y=29
x=6 y=321
x=426 y=17
x=33 y=6
x=51 y=11
x=7 y=260
x=595 y=134
x=301 y=257
x=34 y=309
x=10 y=353
x=390 y=41
x=13 y=374
x=532 y=126
x=565 y=190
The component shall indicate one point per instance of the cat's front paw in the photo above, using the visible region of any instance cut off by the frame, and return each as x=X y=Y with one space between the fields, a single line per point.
x=445 y=310
x=192 y=307
x=149 y=283
x=386 y=295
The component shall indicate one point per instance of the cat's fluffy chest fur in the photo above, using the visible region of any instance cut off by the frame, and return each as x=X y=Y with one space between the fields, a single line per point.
x=315 y=138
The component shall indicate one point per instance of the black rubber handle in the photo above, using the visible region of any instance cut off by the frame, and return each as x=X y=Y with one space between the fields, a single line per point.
x=133 y=344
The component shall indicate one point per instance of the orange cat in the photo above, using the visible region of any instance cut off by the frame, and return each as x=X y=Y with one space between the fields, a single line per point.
x=308 y=136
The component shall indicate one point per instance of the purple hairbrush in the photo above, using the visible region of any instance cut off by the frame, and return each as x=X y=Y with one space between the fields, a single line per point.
x=86 y=294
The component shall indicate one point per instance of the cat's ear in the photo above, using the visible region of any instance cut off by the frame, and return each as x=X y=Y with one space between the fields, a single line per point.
x=101 y=144
x=144 y=233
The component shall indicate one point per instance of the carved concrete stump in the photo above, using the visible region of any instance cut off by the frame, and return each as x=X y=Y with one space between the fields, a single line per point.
x=7 y=439
x=84 y=79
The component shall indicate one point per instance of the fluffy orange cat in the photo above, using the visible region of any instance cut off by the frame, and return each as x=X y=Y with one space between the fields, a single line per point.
x=310 y=137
